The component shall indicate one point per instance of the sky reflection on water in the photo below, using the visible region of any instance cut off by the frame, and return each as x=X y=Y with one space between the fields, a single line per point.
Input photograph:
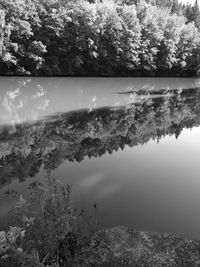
x=148 y=185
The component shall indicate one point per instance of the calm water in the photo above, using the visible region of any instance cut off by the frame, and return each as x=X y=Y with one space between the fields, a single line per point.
x=130 y=145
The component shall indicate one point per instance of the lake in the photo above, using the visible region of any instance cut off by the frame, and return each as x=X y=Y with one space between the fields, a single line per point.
x=129 y=145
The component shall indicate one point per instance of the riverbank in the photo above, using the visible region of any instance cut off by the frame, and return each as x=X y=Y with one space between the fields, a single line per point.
x=120 y=246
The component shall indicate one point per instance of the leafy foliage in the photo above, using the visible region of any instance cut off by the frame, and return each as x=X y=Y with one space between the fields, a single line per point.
x=106 y=38
x=50 y=231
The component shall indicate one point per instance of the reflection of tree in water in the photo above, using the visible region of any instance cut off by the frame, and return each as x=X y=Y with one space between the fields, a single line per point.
x=74 y=135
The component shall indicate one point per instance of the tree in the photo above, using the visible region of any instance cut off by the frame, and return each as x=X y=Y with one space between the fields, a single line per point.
x=81 y=38
x=196 y=14
x=176 y=7
x=151 y=35
x=21 y=53
x=192 y=14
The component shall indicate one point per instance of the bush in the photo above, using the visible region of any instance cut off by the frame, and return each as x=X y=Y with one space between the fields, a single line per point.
x=50 y=231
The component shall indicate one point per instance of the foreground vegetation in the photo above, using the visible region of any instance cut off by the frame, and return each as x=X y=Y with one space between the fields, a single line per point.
x=49 y=232
x=106 y=38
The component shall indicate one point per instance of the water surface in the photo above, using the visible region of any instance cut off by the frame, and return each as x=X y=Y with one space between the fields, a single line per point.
x=131 y=145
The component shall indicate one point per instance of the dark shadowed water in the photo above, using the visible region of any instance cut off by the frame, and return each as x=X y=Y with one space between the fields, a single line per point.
x=131 y=145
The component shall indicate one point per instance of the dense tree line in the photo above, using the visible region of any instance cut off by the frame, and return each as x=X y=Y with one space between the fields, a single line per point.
x=106 y=38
